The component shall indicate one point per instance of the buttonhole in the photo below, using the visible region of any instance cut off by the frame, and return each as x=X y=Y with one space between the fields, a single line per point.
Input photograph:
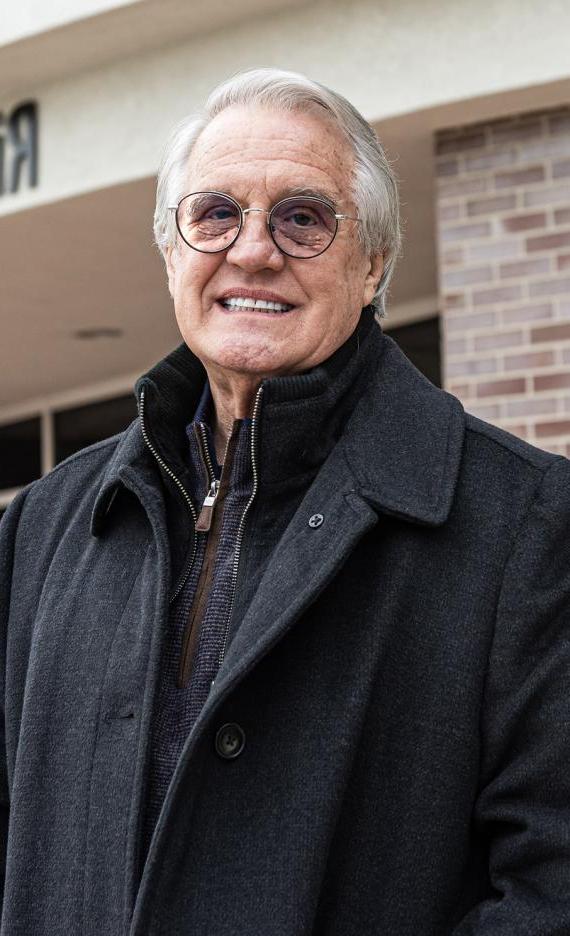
x=124 y=713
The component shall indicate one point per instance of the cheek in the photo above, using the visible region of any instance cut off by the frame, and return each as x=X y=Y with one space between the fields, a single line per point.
x=193 y=274
x=344 y=279
x=356 y=275
x=356 y=266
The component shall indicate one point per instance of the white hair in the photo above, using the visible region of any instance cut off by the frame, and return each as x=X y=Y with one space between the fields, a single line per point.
x=374 y=187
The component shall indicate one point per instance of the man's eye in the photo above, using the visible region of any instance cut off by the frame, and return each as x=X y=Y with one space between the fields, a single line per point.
x=218 y=214
x=302 y=219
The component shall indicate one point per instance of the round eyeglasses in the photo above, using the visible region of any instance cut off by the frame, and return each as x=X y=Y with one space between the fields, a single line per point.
x=300 y=226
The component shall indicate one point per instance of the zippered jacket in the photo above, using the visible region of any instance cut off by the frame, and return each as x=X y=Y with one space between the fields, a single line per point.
x=385 y=748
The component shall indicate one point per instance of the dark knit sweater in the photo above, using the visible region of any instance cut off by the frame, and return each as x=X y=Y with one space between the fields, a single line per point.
x=177 y=707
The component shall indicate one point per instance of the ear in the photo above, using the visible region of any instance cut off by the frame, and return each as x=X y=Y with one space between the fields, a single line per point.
x=170 y=260
x=373 y=277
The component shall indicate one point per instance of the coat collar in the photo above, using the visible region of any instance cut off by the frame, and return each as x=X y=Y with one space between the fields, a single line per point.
x=405 y=440
x=402 y=437
x=129 y=453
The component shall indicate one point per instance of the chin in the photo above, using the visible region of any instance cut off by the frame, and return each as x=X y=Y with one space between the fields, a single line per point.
x=245 y=356
x=255 y=365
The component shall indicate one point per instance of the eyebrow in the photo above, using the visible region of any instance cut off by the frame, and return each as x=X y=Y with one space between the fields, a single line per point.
x=303 y=192
x=300 y=191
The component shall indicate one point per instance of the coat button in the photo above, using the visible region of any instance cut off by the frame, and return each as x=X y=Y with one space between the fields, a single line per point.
x=316 y=520
x=230 y=741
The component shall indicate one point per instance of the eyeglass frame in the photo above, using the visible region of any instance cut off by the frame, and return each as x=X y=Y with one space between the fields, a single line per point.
x=268 y=211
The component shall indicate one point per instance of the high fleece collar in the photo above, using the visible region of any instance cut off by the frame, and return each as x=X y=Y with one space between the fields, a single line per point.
x=402 y=437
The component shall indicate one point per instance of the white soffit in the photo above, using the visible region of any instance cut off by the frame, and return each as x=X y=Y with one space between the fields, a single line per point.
x=69 y=37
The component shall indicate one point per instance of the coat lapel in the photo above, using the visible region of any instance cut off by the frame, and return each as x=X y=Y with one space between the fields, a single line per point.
x=404 y=442
x=399 y=455
x=306 y=559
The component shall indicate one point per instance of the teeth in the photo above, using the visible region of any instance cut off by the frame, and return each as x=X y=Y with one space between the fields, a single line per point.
x=240 y=302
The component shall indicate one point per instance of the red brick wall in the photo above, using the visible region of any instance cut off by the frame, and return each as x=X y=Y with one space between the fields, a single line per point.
x=503 y=207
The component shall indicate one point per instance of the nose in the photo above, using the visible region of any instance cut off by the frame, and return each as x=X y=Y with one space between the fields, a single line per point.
x=254 y=249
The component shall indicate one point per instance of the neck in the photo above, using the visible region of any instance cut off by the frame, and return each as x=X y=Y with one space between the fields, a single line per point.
x=233 y=399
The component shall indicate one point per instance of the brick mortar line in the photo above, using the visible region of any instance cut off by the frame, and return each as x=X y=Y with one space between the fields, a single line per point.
x=536 y=345
x=532 y=421
x=508 y=240
x=489 y=353
x=532 y=417
x=504 y=236
x=516 y=189
x=500 y=374
x=509 y=421
x=515 y=374
x=474 y=380
x=490 y=147
x=495 y=354
x=506 y=422
x=505 y=305
x=521 y=161
x=515 y=280
x=479 y=174
x=497 y=147
x=524 y=348
x=539 y=253
x=476 y=329
x=501 y=304
x=548 y=253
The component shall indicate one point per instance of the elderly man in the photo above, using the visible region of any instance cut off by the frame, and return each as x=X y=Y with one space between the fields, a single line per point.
x=291 y=655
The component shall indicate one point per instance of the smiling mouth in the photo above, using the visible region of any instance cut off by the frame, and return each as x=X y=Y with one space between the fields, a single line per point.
x=258 y=305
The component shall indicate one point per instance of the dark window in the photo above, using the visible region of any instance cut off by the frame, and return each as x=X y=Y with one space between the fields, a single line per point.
x=420 y=341
x=83 y=425
x=20 y=453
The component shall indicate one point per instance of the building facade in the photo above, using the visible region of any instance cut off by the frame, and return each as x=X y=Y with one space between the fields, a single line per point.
x=471 y=105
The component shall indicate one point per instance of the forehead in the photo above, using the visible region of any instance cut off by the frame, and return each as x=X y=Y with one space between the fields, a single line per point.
x=257 y=151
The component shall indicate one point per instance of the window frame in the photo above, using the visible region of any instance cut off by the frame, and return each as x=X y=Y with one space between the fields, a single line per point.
x=46 y=410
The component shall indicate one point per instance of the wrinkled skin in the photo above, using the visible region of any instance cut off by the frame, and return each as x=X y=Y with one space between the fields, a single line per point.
x=259 y=156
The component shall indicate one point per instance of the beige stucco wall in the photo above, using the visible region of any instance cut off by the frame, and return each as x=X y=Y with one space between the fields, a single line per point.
x=107 y=125
x=31 y=17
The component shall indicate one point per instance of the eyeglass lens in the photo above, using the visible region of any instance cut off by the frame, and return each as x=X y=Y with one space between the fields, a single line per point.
x=301 y=227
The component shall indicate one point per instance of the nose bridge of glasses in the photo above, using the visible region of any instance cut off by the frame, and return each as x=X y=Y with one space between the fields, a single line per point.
x=246 y=211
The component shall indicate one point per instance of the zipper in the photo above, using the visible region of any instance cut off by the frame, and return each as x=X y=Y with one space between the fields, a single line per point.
x=182 y=490
x=241 y=528
x=212 y=493
x=204 y=521
x=210 y=526
x=206 y=453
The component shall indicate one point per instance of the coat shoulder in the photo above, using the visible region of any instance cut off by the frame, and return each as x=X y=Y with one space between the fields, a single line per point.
x=79 y=469
x=56 y=496
x=506 y=445
x=506 y=475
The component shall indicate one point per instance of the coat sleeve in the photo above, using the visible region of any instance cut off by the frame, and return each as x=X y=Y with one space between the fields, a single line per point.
x=522 y=813
x=8 y=529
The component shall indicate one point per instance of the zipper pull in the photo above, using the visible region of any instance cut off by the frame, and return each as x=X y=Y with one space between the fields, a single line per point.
x=204 y=521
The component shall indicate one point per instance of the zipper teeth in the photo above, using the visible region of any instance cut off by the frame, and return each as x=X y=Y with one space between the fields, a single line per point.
x=181 y=488
x=241 y=526
x=207 y=453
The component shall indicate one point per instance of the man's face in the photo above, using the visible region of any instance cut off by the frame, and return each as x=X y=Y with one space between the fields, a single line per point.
x=260 y=156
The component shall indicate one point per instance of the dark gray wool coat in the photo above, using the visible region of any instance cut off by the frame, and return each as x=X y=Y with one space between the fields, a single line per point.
x=400 y=672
